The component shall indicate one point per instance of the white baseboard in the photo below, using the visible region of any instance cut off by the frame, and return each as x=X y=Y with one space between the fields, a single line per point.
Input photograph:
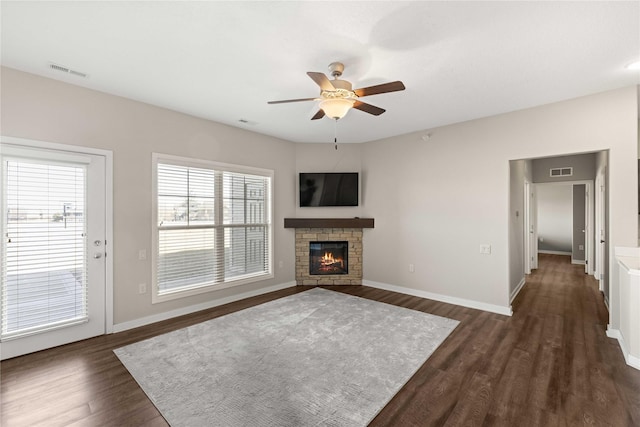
x=506 y=311
x=517 y=290
x=577 y=261
x=540 y=251
x=197 y=307
x=631 y=360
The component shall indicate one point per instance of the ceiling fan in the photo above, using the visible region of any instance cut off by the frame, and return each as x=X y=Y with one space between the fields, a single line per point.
x=337 y=96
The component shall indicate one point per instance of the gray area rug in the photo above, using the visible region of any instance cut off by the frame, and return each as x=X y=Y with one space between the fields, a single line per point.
x=316 y=358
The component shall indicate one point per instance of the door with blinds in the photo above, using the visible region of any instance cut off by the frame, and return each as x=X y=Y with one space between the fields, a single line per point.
x=53 y=248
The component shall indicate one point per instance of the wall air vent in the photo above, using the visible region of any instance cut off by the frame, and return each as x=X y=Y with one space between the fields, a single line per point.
x=66 y=70
x=557 y=172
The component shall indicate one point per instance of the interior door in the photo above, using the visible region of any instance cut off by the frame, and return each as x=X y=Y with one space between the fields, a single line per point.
x=600 y=237
x=530 y=226
x=53 y=271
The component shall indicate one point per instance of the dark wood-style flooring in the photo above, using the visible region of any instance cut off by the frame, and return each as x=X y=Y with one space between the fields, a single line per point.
x=550 y=364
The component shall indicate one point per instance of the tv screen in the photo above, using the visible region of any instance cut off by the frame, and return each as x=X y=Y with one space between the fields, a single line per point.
x=329 y=189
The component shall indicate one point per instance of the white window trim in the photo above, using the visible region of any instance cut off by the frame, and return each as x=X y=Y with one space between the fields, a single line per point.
x=186 y=161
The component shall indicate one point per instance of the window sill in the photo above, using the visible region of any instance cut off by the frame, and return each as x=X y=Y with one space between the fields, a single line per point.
x=172 y=296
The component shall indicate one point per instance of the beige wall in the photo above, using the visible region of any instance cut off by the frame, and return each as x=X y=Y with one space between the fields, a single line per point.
x=325 y=158
x=47 y=110
x=584 y=168
x=434 y=202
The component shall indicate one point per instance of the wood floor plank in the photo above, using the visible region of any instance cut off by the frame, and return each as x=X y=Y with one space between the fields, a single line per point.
x=549 y=365
x=544 y=390
x=472 y=408
x=512 y=388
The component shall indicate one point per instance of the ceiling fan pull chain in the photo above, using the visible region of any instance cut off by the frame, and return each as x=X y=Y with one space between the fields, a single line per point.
x=335 y=134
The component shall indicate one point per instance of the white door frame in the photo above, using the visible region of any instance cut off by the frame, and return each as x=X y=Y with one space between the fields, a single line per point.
x=589 y=218
x=589 y=208
x=108 y=155
x=530 y=233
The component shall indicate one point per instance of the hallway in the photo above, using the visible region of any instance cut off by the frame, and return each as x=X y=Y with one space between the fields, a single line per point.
x=576 y=368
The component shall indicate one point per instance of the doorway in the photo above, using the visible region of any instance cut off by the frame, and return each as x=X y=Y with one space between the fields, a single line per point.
x=55 y=218
x=526 y=175
x=563 y=211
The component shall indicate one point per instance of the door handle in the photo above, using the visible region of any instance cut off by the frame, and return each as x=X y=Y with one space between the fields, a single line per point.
x=97 y=255
x=601 y=241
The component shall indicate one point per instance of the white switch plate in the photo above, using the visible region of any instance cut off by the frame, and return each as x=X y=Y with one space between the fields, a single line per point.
x=485 y=249
x=142 y=254
x=142 y=288
x=411 y=268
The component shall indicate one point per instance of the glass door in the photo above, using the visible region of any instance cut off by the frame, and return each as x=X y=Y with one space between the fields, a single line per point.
x=52 y=281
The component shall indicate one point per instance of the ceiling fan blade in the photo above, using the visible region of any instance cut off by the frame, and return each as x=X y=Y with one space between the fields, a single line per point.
x=318 y=115
x=368 y=108
x=321 y=80
x=383 y=88
x=291 y=100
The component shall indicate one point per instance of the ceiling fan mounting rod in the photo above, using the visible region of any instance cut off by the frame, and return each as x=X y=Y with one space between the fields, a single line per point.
x=336 y=69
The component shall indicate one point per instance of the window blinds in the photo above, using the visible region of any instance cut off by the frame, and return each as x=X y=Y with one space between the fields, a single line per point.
x=44 y=282
x=213 y=226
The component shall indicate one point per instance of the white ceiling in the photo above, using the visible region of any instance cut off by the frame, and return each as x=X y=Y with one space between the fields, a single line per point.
x=224 y=60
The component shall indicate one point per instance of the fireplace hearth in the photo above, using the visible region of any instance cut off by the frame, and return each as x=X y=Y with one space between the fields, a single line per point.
x=328 y=258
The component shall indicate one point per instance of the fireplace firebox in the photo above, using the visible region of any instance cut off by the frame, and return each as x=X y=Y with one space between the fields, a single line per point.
x=328 y=258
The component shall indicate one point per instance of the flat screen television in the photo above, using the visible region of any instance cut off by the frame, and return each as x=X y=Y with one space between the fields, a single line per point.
x=328 y=189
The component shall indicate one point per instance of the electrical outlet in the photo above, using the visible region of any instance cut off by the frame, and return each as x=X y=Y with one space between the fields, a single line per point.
x=280 y=264
x=485 y=249
x=411 y=268
x=142 y=288
x=581 y=247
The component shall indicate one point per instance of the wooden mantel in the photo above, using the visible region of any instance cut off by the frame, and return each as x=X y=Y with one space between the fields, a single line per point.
x=328 y=222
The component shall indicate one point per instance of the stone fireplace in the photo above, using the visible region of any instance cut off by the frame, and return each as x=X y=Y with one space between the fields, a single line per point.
x=333 y=245
x=353 y=239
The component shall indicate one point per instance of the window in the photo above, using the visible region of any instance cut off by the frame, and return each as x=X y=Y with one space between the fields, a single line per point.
x=212 y=226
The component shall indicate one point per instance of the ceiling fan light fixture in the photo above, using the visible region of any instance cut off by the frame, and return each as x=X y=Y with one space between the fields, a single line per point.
x=336 y=108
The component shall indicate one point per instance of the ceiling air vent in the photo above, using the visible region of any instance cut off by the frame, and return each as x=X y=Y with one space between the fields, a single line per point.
x=66 y=70
x=247 y=122
x=556 y=172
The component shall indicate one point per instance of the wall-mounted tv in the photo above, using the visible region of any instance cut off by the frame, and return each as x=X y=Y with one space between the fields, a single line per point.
x=328 y=189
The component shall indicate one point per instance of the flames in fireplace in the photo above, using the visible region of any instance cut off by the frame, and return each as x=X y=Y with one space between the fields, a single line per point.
x=328 y=261
x=328 y=258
